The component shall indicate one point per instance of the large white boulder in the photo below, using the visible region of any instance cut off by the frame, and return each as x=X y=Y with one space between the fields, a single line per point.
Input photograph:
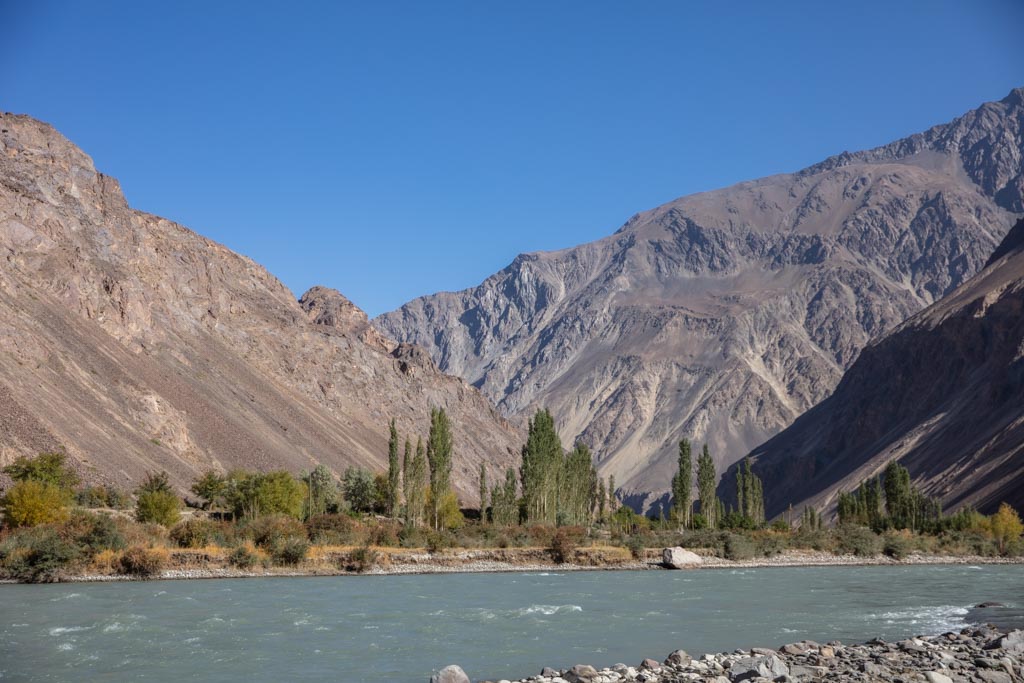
x=679 y=558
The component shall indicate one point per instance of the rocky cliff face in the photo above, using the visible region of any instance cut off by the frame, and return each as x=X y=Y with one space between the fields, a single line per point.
x=723 y=316
x=139 y=345
x=943 y=394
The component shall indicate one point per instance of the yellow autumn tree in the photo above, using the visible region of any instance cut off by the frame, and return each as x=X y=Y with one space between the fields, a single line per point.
x=1006 y=526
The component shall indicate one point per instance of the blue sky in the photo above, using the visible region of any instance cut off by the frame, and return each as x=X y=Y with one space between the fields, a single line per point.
x=394 y=149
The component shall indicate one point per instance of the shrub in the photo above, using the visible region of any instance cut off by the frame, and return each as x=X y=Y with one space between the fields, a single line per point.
x=103 y=497
x=858 y=540
x=771 y=544
x=564 y=543
x=243 y=557
x=385 y=535
x=780 y=525
x=897 y=545
x=332 y=529
x=438 y=541
x=289 y=551
x=46 y=468
x=143 y=562
x=37 y=555
x=158 y=507
x=267 y=532
x=255 y=494
x=361 y=559
x=197 y=533
x=32 y=502
x=738 y=547
x=100 y=533
x=411 y=537
x=636 y=547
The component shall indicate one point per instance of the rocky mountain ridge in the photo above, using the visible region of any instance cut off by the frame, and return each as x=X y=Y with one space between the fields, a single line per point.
x=943 y=394
x=723 y=316
x=138 y=345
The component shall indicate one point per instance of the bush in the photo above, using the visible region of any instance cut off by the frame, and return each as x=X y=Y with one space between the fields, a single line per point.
x=858 y=540
x=412 y=537
x=333 y=529
x=143 y=562
x=636 y=547
x=37 y=555
x=438 y=541
x=197 y=533
x=269 y=493
x=362 y=559
x=267 y=532
x=97 y=533
x=897 y=545
x=289 y=551
x=780 y=525
x=738 y=547
x=32 y=502
x=103 y=497
x=564 y=543
x=771 y=544
x=158 y=507
x=243 y=557
x=385 y=535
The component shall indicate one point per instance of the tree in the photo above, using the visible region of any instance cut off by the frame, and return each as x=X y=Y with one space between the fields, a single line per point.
x=155 y=482
x=32 y=501
x=158 y=507
x=416 y=497
x=706 y=480
x=504 y=505
x=439 y=457
x=49 y=468
x=394 y=473
x=602 y=498
x=360 y=489
x=577 y=487
x=483 y=493
x=682 y=486
x=211 y=487
x=1006 y=526
x=613 y=503
x=321 y=491
x=254 y=494
x=749 y=495
x=541 y=466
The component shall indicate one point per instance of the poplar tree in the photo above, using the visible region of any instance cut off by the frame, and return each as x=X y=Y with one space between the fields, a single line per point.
x=483 y=493
x=407 y=477
x=439 y=456
x=418 y=485
x=682 y=485
x=541 y=469
x=577 y=486
x=613 y=503
x=706 y=480
x=394 y=473
x=602 y=498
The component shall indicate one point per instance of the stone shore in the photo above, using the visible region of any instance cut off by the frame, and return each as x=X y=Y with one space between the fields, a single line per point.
x=982 y=654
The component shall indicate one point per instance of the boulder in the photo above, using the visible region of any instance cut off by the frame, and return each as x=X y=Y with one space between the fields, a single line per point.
x=678 y=658
x=650 y=664
x=581 y=673
x=936 y=677
x=745 y=668
x=986 y=605
x=450 y=674
x=678 y=558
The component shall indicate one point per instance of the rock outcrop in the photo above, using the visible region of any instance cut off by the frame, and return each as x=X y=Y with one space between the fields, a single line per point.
x=138 y=345
x=943 y=394
x=725 y=315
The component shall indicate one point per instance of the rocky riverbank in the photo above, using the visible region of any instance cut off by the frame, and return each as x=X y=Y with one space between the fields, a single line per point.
x=978 y=655
x=213 y=564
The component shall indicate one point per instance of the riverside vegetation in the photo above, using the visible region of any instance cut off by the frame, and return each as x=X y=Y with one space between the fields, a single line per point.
x=555 y=508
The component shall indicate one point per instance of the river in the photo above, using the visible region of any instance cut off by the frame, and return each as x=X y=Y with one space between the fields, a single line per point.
x=401 y=628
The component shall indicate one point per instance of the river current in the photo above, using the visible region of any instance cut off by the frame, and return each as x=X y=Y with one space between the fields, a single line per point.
x=401 y=628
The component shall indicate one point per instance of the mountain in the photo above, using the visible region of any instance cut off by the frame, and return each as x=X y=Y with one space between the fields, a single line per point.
x=723 y=316
x=943 y=394
x=138 y=345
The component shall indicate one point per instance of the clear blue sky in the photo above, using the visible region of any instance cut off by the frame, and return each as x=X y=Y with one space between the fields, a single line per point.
x=393 y=149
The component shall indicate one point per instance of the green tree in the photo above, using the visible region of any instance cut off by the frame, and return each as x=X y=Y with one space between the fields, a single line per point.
x=212 y=487
x=158 y=507
x=602 y=498
x=255 y=494
x=321 y=491
x=682 y=486
x=577 y=487
x=542 y=465
x=49 y=468
x=407 y=482
x=749 y=496
x=483 y=493
x=32 y=501
x=613 y=502
x=360 y=489
x=155 y=482
x=418 y=500
x=504 y=505
x=394 y=473
x=706 y=480
x=439 y=457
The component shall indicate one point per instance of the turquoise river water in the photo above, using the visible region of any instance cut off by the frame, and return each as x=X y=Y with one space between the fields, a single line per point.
x=401 y=628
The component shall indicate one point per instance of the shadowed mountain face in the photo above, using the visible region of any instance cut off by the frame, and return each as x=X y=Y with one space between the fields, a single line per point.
x=139 y=345
x=943 y=394
x=723 y=316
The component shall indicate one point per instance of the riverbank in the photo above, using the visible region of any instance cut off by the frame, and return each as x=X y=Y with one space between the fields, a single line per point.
x=983 y=653
x=214 y=563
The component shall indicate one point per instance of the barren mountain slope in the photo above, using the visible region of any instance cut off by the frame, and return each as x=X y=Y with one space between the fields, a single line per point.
x=722 y=316
x=139 y=345
x=943 y=394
